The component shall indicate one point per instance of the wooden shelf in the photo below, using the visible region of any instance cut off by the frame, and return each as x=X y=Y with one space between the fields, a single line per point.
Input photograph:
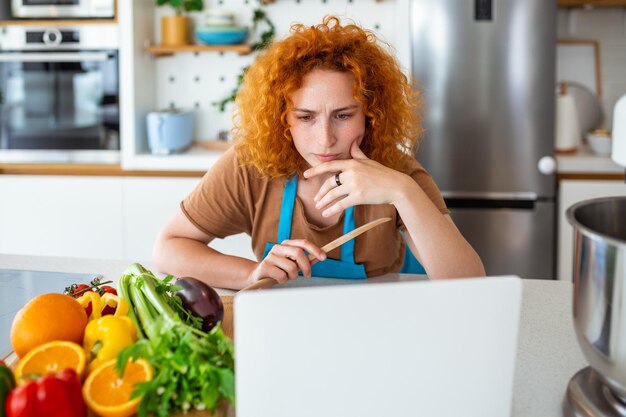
x=213 y=144
x=158 y=50
x=53 y=22
x=71 y=169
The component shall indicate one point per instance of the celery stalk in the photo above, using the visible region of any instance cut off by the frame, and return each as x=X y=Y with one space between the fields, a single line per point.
x=122 y=288
x=143 y=311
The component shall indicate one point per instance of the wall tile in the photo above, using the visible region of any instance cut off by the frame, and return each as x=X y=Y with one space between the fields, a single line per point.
x=607 y=25
x=597 y=22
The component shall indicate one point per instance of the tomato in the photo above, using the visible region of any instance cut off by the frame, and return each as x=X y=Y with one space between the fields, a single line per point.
x=79 y=287
x=109 y=289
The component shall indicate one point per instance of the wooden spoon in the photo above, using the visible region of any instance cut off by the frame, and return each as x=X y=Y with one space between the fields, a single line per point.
x=270 y=282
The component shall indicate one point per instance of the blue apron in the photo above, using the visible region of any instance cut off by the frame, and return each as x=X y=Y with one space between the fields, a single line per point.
x=411 y=265
x=331 y=268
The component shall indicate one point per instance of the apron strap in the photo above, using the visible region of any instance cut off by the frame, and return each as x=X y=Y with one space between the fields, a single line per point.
x=347 y=249
x=286 y=209
x=286 y=217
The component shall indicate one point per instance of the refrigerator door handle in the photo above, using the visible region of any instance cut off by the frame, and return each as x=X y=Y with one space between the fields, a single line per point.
x=489 y=195
x=493 y=200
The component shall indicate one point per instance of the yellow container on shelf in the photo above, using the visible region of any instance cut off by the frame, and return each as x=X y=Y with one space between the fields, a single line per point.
x=174 y=30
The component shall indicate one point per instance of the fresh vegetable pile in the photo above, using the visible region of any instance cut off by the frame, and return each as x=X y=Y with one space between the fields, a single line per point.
x=154 y=349
x=193 y=369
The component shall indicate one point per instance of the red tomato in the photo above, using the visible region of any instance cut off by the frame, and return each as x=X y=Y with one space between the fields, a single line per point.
x=109 y=289
x=79 y=287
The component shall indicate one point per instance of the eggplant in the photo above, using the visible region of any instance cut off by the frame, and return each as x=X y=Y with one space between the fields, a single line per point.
x=202 y=300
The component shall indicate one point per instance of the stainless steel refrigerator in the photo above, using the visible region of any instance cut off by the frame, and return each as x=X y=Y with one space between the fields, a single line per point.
x=486 y=69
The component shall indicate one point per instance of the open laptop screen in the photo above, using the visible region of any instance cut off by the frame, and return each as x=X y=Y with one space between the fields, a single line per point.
x=430 y=348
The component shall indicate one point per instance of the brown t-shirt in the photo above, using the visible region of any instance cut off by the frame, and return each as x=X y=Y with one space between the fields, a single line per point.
x=233 y=199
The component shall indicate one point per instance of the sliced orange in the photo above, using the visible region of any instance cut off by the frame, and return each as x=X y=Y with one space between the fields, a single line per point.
x=50 y=358
x=108 y=395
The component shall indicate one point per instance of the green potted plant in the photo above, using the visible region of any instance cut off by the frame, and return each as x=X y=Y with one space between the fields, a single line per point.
x=175 y=29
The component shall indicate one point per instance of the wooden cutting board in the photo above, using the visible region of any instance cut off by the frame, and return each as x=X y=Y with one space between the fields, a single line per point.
x=227 y=322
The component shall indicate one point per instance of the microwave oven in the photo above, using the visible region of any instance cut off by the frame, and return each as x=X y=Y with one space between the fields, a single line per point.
x=62 y=9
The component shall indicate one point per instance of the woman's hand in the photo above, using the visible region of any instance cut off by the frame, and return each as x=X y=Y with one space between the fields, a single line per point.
x=363 y=181
x=284 y=261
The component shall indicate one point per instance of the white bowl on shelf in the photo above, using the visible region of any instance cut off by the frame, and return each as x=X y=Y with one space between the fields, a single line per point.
x=219 y=17
x=600 y=143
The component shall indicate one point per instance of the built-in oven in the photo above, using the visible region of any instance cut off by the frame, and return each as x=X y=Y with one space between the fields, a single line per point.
x=62 y=9
x=59 y=94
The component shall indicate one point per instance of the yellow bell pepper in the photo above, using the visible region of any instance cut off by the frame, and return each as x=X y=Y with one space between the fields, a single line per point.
x=106 y=336
x=98 y=303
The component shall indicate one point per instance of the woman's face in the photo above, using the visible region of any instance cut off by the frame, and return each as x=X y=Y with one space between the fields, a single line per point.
x=325 y=118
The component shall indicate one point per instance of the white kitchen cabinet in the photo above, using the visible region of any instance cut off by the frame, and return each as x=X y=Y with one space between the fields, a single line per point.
x=93 y=217
x=150 y=202
x=61 y=216
x=571 y=192
x=147 y=204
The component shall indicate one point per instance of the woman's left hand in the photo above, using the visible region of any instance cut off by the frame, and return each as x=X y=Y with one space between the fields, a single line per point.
x=363 y=181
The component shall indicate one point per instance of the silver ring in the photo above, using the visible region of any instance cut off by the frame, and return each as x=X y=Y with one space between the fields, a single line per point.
x=337 y=179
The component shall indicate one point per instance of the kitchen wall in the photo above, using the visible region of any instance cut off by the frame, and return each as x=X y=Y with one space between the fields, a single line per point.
x=608 y=26
x=195 y=81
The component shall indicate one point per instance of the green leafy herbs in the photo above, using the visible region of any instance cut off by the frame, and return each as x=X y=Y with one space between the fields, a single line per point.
x=192 y=369
x=168 y=291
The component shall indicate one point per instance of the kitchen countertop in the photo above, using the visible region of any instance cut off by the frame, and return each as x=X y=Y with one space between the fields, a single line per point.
x=199 y=159
x=584 y=161
x=548 y=353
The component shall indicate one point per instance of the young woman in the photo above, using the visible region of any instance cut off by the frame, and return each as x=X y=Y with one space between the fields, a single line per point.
x=325 y=133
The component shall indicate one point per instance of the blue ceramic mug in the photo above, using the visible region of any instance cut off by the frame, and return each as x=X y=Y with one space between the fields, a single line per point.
x=169 y=131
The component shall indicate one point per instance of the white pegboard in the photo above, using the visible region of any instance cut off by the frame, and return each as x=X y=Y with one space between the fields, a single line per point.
x=194 y=81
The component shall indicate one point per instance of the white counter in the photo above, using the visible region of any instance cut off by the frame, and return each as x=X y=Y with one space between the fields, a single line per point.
x=586 y=162
x=583 y=161
x=548 y=354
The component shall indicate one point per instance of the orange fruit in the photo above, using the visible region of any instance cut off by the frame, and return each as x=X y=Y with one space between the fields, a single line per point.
x=108 y=395
x=46 y=318
x=50 y=358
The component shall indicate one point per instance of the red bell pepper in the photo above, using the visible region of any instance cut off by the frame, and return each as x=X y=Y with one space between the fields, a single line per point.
x=57 y=395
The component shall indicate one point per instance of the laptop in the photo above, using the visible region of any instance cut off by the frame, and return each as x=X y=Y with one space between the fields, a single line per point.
x=425 y=348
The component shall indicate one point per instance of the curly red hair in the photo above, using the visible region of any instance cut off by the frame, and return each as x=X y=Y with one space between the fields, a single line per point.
x=390 y=105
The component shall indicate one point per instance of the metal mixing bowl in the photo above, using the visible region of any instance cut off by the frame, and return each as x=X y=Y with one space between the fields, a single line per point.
x=600 y=287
